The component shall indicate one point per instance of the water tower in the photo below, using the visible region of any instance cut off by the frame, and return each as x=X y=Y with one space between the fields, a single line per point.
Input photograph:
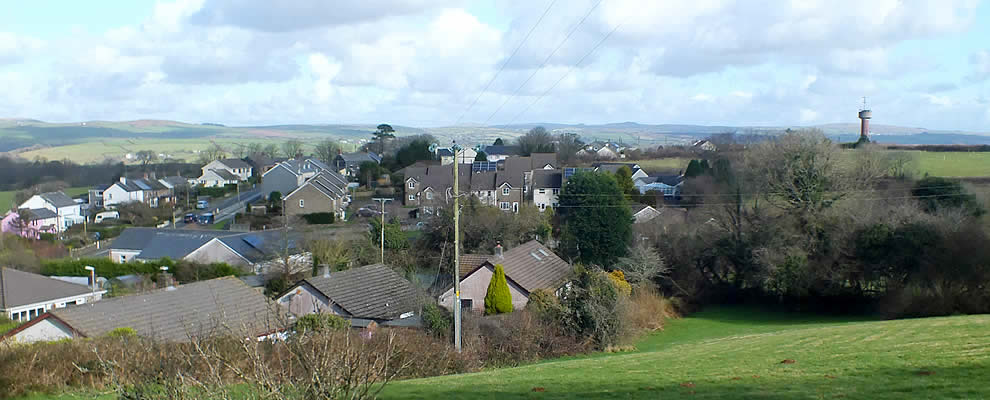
x=864 y=127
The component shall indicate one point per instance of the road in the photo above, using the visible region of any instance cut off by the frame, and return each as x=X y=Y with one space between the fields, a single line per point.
x=227 y=207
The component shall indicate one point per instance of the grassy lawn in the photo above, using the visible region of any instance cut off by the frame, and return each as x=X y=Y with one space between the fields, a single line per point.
x=672 y=164
x=956 y=164
x=6 y=325
x=733 y=353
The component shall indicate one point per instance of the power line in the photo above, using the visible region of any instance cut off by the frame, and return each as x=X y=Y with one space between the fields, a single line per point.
x=732 y=204
x=733 y=194
x=506 y=62
x=566 y=73
x=545 y=61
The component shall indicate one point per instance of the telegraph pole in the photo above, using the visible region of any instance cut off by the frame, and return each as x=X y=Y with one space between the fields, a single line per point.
x=457 y=253
x=383 y=200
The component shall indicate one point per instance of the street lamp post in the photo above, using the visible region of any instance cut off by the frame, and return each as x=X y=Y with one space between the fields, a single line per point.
x=92 y=278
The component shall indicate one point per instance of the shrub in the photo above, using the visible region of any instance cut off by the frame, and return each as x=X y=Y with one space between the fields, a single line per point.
x=321 y=322
x=437 y=320
x=519 y=337
x=48 y=237
x=647 y=310
x=122 y=332
x=591 y=306
x=498 y=299
x=619 y=280
x=544 y=303
x=318 y=218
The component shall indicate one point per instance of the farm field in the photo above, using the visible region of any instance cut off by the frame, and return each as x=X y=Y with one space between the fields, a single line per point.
x=728 y=354
x=955 y=164
x=738 y=352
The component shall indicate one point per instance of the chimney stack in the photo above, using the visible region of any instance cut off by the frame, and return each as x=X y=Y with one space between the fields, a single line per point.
x=165 y=279
x=324 y=270
x=123 y=180
x=498 y=250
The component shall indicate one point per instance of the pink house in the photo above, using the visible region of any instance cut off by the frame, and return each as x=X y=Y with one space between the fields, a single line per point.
x=37 y=225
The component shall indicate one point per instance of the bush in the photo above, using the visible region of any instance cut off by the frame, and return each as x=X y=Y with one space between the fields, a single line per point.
x=122 y=332
x=321 y=322
x=512 y=339
x=647 y=310
x=318 y=218
x=437 y=320
x=618 y=279
x=48 y=237
x=544 y=303
x=104 y=267
x=592 y=307
x=498 y=299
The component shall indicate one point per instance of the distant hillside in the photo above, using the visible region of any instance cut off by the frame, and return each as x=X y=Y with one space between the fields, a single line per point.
x=23 y=134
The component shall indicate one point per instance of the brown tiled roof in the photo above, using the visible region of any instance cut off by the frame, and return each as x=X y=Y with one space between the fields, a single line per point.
x=216 y=307
x=20 y=288
x=471 y=262
x=372 y=291
x=531 y=265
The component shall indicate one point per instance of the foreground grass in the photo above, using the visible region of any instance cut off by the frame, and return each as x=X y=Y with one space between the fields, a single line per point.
x=725 y=354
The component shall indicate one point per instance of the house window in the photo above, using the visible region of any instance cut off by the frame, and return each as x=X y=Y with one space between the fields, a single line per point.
x=429 y=195
x=123 y=258
x=556 y=191
x=412 y=197
x=467 y=303
x=491 y=193
x=503 y=205
x=505 y=191
x=543 y=206
x=542 y=191
x=412 y=185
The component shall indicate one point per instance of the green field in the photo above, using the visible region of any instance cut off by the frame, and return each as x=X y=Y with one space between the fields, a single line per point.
x=955 y=164
x=673 y=164
x=732 y=353
x=7 y=197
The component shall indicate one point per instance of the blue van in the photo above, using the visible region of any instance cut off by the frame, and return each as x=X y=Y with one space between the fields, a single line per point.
x=206 y=219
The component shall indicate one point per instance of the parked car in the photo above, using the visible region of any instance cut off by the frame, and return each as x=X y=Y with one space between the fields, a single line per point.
x=206 y=219
x=202 y=204
x=367 y=212
x=106 y=215
x=189 y=218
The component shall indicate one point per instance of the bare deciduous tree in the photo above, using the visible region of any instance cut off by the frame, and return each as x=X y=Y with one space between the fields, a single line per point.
x=642 y=265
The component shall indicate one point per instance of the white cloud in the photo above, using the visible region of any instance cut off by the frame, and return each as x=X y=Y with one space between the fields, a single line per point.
x=980 y=64
x=808 y=116
x=15 y=48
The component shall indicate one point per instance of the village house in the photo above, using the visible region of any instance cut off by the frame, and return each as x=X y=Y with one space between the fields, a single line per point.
x=289 y=175
x=643 y=213
x=528 y=267
x=25 y=296
x=54 y=208
x=326 y=192
x=363 y=294
x=217 y=307
x=612 y=168
x=225 y=172
x=669 y=185
x=147 y=191
x=244 y=249
x=546 y=188
x=499 y=152
x=348 y=164
x=29 y=223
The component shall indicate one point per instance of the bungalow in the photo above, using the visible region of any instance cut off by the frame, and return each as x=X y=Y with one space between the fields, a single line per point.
x=372 y=292
x=348 y=164
x=217 y=307
x=217 y=178
x=446 y=155
x=204 y=246
x=499 y=152
x=67 y=211
x=148 y=191
x=324 y=193
x=643 y=213
x=25 y=296
x=528 y=267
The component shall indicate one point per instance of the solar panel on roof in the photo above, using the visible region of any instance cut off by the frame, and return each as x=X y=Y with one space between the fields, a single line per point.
x=483 y=166
x=142 y=185
x=254 y=241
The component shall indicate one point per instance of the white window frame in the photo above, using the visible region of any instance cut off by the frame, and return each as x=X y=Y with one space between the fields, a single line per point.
x=412 y=197
x=504 y=205
x=302 y=203
x=541 y=191
x=412 y=185
x=429 y=195
x=505 y=191
x=556 y=191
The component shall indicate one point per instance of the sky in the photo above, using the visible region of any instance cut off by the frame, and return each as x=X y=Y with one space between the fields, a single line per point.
x=428 y=63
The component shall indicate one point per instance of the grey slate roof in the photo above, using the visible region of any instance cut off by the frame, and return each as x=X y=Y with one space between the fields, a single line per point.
x=357 y=158
x=225 y=174
x=372 y=291
x=670 y=180
x=235 y=163
x=19 y=288
x=176 y=181
x=215 y=307
x=58 y=199
x=547 y=178
x=134 y=185
x=531 y=265
x=501 y=150
x=445 y=152
x=155 y=243
x=41 y=213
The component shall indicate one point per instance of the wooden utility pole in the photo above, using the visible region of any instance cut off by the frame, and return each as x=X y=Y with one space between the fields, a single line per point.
x=457 y=253
x=383 y=200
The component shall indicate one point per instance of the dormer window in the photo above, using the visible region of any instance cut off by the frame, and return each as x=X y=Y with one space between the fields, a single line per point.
x=412 y=184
